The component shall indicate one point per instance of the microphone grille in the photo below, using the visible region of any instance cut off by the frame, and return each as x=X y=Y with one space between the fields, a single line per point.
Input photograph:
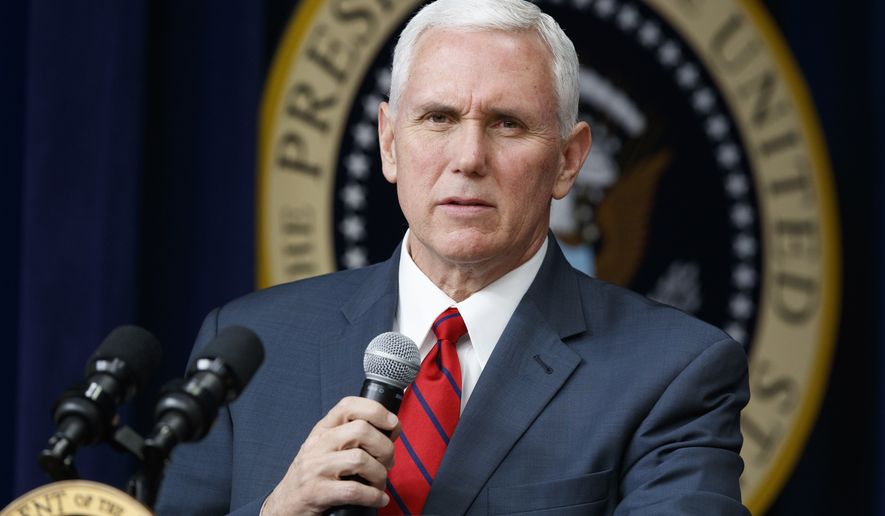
x=392 y=358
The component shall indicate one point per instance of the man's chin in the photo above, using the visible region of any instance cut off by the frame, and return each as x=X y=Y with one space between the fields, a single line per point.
x=457 y=246
x=469 y=253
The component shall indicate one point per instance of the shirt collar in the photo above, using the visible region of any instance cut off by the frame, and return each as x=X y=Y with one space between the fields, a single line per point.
x=486 y=312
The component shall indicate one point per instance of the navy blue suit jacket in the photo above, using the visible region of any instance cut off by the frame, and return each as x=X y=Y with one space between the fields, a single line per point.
x=594 y=401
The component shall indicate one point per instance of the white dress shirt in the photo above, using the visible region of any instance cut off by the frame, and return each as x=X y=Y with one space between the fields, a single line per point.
x=485 y=313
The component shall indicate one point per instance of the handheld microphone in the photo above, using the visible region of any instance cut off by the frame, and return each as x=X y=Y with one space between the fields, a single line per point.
x=119 y=367
x=187 y=408
x=391 y=363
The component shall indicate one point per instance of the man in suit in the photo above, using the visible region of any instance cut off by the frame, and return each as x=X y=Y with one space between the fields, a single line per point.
x=573 y=396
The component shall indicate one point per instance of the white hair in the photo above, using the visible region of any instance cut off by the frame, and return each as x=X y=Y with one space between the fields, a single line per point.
x=505 y=15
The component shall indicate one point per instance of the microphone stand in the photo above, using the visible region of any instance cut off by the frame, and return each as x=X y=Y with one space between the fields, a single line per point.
x=144 y=484
x=57 y=460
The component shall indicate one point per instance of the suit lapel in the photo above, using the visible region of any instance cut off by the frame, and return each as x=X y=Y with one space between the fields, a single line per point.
x=529 y=365
x=369 y=312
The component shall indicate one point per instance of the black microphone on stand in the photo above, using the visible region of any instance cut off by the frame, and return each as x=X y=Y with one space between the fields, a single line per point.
x=86 y=415
x=391 y=363
x=187 y=408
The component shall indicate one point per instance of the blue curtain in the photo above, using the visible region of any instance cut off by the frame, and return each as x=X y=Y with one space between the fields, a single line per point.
x=128 y=134
x=79 y=196
x=127 y=157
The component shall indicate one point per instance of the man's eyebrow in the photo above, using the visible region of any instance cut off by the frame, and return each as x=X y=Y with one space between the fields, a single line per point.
x=435 y=106
x=508 y=113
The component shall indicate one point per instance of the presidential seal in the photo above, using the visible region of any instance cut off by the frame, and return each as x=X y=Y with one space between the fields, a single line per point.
x=75 y=498
x=708 y=186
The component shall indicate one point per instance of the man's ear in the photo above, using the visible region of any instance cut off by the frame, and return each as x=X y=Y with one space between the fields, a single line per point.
x=386 y=142
x=574 y=153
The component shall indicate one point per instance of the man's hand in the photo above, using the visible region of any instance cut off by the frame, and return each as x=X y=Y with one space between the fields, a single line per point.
x=347 y=442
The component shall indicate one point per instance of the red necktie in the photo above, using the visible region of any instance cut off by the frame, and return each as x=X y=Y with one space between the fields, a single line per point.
x=429 y=413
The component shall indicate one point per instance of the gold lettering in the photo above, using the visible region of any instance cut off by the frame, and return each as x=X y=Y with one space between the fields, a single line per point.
x=303 y=104
x=41 y=508
x=768 y=388
x=765 y=436
x=333 y=55
x=108 y=506
x=796 y=297
x=355 y=10
x=797 y=239
x=298 y=226
x=82 y=500
x=779 y=143
x=761 y=91
x=51 y=504
x=731 y=46
x=797 y=183
x=290 y=156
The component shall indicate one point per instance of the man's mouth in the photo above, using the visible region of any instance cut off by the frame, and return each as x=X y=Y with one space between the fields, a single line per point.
x=465 y=201
x=465 y=206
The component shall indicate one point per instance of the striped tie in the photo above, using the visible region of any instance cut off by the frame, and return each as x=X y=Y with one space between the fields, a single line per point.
x=429 y=414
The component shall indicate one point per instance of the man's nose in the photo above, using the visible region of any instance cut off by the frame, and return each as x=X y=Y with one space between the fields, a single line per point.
x=471 y=150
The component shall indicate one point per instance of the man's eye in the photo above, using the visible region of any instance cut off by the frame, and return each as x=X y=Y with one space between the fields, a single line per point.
x=509 y=123
x=437 y=118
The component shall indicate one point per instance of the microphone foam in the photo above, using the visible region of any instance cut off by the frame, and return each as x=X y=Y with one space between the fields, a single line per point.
x=392 y=358
x=240 y=350
x=135 y=346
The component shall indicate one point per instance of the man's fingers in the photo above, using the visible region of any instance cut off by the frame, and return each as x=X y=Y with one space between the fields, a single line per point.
x=355 y=434
x=351 y=492
x=352 y=408
x=343 y=461
x=357 y=463
x=360 y=434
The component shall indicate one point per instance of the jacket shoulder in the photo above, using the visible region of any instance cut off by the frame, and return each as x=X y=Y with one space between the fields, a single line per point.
x=614 y=311
x=317 y=294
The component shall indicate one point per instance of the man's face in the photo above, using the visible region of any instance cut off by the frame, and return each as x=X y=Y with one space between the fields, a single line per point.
x=475 y=150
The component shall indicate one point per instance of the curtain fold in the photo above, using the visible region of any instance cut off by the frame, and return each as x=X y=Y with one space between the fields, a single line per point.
x=81 y=168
